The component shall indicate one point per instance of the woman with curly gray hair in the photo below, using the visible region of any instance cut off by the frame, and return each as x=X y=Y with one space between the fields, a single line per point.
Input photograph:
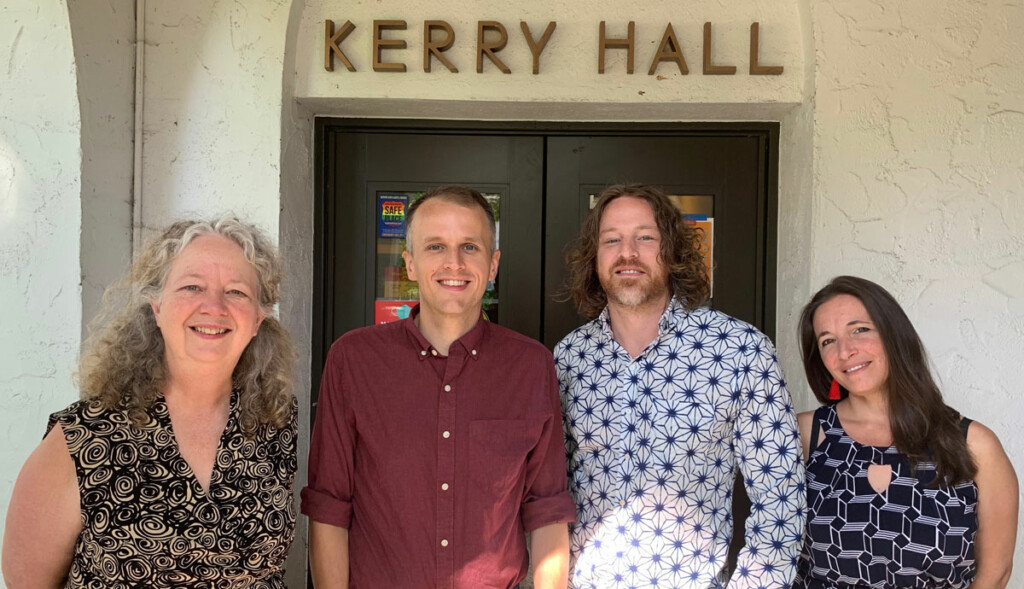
x=176 y=466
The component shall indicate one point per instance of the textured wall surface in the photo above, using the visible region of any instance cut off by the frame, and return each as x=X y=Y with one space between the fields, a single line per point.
x=919 y=183
x=40 y=223
x=213 y=110
x=103 y=34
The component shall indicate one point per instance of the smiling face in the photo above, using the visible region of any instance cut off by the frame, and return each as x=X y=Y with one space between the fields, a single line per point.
x=208 y=310
x=628 y=263
x=449 y=255
x=850 y=346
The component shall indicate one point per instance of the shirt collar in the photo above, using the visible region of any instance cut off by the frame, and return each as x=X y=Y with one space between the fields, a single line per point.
x=672 y=316
x=470 y=341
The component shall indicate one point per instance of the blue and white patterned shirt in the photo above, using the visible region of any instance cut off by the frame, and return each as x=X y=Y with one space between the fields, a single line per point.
x=654 y=443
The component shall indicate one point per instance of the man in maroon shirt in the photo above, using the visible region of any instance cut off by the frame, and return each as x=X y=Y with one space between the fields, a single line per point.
x=438 y=438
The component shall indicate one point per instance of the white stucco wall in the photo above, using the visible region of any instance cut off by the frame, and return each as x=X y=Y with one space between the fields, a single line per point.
x=103 y=35
x=919 y=184
x=212 y=104
x=40 y=221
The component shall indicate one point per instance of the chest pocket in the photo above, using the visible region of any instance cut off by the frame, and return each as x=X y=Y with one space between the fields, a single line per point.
x=497 y=454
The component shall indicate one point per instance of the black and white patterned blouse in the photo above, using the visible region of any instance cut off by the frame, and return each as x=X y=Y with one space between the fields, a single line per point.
x=908 y=535
x=146 y=520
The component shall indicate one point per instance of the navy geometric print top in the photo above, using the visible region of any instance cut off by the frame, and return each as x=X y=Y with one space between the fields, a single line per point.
x=909 y=535
x=654 y=443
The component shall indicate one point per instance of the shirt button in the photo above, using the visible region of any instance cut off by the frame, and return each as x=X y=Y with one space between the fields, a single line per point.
x=433 y=352
x=473 y=352
x=447 y=388
x=423 y=352
x=444 y=486
x=444 y=542
x=446 y=434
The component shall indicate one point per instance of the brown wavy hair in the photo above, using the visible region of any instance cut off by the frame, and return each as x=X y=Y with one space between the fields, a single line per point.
x=923 y=427
x=123 y=362
x=680 y=253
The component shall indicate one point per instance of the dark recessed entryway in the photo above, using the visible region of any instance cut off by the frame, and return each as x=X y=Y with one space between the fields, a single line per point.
x=540 y=178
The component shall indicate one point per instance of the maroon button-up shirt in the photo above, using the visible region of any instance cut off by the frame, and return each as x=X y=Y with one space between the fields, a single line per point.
x=437 y=465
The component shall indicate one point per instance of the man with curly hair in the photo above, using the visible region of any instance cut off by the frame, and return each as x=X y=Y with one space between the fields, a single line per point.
x=663 y=399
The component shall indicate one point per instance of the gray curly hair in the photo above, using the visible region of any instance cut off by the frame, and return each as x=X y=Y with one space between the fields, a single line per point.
x=124 y=359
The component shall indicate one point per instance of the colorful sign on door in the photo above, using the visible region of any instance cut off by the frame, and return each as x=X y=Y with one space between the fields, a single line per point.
x=391 y=209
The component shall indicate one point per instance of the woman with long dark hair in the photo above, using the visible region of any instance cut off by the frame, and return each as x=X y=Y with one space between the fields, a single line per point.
x=902 y=491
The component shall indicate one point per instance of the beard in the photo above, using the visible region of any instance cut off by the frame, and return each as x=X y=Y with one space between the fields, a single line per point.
x=635 y=291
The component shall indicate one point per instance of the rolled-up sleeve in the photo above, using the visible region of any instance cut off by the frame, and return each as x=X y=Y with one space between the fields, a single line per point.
x=327 y=498
x=547 y=499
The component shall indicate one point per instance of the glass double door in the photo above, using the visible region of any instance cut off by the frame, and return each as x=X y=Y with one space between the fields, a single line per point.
x=541 y=185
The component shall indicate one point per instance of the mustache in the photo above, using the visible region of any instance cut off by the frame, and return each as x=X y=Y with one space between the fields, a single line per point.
x=623 y=262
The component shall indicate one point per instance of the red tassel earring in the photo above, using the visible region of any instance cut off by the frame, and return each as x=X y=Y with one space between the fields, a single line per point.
x=833 y=391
